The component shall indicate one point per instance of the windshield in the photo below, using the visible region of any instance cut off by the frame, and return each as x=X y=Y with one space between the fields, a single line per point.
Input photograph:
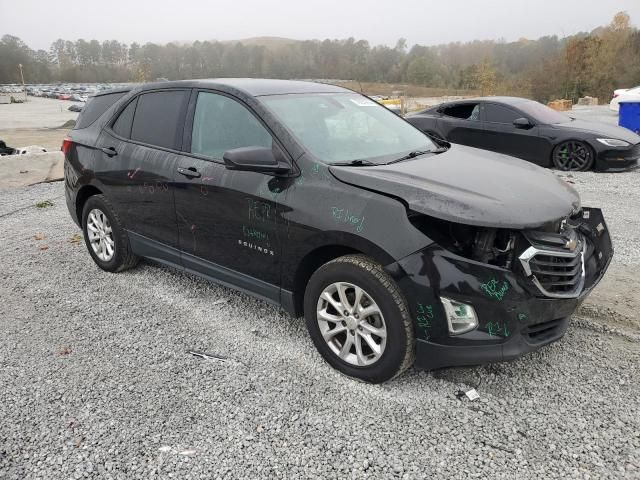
x=542 y=113
x=343 y=127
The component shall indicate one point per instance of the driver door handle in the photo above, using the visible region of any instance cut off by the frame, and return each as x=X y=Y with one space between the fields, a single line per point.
x=190 y=172
x=109 y=151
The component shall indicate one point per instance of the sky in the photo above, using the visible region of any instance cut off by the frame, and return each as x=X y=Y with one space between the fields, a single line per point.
x=425 y=22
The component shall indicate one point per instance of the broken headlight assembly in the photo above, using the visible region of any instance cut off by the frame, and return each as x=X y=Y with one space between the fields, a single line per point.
x=494 y=246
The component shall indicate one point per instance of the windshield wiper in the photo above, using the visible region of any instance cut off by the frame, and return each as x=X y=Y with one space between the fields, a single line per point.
x=417 y=153
x=353 y=163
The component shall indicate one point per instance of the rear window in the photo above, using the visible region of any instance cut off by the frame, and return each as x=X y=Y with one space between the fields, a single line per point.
x=157 y=117
x=95 y=107
x=464 y=111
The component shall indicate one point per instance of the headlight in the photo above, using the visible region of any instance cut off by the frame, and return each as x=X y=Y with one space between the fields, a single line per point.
x=613 y=142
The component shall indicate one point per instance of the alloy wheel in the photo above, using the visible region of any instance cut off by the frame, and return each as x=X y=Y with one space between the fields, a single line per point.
x=351 y=323
x=100 y=235
x=573 y=156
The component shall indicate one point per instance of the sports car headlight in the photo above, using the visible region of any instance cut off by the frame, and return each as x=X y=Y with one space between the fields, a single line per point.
x=613 y=142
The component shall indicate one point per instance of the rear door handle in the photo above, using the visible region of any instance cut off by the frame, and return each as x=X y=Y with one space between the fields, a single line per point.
x=109 y=151
x=190 y=172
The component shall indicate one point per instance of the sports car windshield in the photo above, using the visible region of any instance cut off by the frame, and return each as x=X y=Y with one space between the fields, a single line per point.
x=344 y=127
x=542 y=113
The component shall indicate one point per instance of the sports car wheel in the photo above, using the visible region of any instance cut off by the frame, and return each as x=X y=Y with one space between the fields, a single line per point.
x=573 y=156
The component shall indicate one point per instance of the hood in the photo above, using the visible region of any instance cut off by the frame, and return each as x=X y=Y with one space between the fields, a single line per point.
x=471 y=186
x=601 y=130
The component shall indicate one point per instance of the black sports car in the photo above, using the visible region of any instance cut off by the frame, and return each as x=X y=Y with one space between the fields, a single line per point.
x=531 y=131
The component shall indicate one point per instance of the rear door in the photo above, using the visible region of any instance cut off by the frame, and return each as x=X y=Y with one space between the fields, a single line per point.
x=460 y=123
x=503 y=137
x=228 y=221
x=142 y=145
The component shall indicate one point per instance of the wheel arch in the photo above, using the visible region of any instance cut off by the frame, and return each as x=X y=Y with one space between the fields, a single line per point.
x=82 y=196
x=321 y=252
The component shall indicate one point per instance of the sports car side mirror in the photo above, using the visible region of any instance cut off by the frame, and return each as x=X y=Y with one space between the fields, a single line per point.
x=523 y=123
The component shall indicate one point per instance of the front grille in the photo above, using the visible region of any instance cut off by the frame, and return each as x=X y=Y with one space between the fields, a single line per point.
x=557 y=274
x=542 y=332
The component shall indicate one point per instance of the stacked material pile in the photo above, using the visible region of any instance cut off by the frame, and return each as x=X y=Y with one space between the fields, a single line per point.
x=560 y=104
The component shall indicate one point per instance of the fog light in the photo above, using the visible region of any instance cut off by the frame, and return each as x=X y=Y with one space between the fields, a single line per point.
x=461 y=317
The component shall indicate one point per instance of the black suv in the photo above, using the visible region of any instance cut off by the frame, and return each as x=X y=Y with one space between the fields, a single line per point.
x=320 y=200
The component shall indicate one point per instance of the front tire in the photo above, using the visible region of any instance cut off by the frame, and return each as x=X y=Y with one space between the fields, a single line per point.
x=573 y=156
x=358 y=319
x=105 y=237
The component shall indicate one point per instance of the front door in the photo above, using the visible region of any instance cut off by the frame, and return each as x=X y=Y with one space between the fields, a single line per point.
x=502 y=136
x=229 y=221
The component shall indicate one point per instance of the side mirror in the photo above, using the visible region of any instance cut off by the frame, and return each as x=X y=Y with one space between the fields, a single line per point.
x=523 y=123
x=255 y=159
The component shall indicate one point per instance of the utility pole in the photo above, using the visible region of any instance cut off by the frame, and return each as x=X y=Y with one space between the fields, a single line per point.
x=24 y=89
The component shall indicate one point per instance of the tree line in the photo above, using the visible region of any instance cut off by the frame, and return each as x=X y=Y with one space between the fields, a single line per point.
x=593 y=63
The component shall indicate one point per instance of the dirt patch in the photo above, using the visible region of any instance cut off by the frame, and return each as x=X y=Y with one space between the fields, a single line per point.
x=615 y=301
x=51 y=139
x=68 y=124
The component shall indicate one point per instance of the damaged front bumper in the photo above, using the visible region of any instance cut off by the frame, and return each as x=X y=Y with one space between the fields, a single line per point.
x=519 y=309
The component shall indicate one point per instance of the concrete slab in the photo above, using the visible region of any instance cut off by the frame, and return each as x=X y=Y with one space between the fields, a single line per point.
x=36 y=113
x=29 y=169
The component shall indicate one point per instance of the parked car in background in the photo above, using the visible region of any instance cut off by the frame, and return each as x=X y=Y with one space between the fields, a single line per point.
x=75 y=108
x=624 y=94
x=321 y=201
x=529 y=130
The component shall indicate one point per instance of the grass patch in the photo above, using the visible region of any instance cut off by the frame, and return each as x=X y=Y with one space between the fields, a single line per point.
x=68 y=124
x=77 y=238
x=44 y=204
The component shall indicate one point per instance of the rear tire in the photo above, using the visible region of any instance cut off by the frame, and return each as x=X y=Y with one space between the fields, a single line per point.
x=105 y=237
x=358 y=319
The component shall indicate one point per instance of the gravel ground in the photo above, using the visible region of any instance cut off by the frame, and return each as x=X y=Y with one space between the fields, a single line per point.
x=97 y=382
x=618 y=195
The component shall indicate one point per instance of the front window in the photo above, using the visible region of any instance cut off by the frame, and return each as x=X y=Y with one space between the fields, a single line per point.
x=221 y=123
x=499 y=114
x=343 y=127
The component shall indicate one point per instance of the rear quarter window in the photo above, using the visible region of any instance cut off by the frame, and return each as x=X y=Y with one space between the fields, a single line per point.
x=95 y=107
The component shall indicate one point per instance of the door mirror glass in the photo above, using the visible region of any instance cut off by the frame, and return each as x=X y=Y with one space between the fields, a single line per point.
x=254 y=159
x=522 y=122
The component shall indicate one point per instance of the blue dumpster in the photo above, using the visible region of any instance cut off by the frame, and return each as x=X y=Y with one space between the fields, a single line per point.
x=629 y=116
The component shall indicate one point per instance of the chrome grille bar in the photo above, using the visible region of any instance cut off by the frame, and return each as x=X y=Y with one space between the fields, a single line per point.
x=555 y=271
